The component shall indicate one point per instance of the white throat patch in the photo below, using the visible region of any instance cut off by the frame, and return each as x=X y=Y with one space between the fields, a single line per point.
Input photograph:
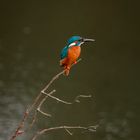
x=72 y=44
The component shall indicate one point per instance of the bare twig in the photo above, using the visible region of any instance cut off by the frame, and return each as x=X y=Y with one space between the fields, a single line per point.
x=56 y=77
x=34 y=119
x=42 y=101
x=39 y=109
x=44 y=113
x=20 y=127
x=65 y=102
x=89 y=128
x=81 y=96
x=19 y=130
x=68 y=131
x=50 y=94
x=59 y=100
x=47 y=95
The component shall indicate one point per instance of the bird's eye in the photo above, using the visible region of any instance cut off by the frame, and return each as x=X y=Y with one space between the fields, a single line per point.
x=72 y=44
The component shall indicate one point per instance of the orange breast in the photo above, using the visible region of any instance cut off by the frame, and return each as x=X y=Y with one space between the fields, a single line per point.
x=74 y=53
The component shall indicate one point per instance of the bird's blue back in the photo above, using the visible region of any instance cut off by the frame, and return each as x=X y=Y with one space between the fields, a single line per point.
x=64 y=52
x=65 y=49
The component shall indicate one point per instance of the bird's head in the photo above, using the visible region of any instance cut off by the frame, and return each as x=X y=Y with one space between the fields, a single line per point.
x=77 y=41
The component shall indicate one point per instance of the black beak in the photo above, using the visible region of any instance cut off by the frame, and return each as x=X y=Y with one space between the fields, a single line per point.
x=88 y=40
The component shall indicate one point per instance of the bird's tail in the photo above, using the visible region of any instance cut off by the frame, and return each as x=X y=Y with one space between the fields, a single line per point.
x=62 y=62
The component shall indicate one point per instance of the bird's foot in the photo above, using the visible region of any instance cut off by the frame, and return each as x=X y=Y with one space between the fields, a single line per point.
x=68 y=68
x=75 y=62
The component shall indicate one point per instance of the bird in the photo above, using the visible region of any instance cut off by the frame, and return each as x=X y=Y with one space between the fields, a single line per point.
x=71 y=52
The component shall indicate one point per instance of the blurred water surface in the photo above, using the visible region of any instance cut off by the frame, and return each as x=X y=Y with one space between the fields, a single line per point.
x=31 y=36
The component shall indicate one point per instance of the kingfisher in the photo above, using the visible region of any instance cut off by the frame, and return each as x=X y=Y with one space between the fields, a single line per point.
x=71 y=52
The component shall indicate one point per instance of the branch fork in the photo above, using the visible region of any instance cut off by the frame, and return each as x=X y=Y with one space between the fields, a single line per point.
x=36 y=107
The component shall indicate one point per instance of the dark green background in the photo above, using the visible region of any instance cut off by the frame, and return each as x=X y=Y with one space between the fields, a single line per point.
x=32 y=33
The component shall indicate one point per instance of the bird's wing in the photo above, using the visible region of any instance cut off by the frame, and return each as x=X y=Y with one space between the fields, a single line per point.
x=64 y=52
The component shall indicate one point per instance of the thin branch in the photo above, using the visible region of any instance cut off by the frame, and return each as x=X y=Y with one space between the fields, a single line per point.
x=59 y=100
x=81 y=96
x=89 y=128
x=65 y=102
x=47 y=95
x=34 y=119
x=39 y=109
x=19 y=131
x=56 y=77
x=70 y=133
x=44 y=113
x=42 y=101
